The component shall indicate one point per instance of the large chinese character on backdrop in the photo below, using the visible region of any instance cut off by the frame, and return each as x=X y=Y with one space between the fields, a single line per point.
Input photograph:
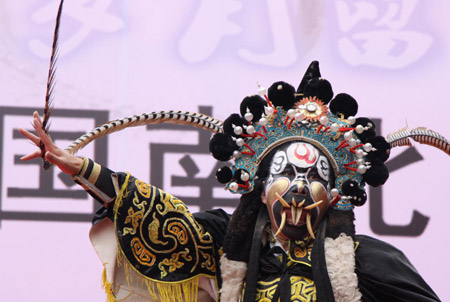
x=380 y=33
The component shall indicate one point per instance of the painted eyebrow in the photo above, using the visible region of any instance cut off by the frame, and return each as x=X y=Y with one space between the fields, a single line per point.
x=318 y=174
x=296 y=172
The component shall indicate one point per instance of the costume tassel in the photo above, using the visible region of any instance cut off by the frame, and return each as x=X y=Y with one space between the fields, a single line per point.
x=159 y=291
x=108 y=288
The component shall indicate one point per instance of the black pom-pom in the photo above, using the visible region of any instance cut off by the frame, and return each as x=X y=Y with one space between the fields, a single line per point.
x=319 y=88
x=224 y=175
x=350 y=187
x=239 y=176
x=357 y=195
x=236 y=120
x=344 y=104
x=255 y=104
x=222 y=146
x=370 y=132
x=383 y=148
x=282 y=94
x=377 y=174
x=359 y=199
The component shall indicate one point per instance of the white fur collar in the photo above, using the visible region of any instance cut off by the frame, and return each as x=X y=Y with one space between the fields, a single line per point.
x=340 y=259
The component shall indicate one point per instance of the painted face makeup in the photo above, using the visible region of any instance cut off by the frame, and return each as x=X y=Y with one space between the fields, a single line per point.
x=297 y=190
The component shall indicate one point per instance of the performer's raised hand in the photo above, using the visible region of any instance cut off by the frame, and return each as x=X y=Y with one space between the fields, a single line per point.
x=66 y=162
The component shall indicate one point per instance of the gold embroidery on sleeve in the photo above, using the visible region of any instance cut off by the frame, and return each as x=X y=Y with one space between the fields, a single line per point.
x=143 y=188
x=134 y=217
x=141 y=253
x=173 y=263
x=158 y=235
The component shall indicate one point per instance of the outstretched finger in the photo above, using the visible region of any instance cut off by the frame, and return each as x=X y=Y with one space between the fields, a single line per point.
x=35 y=154
x=44 y=137
x=33 y=138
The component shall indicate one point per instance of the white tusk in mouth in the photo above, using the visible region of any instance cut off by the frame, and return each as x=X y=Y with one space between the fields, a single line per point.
x=283 y=202
x=293 y=202
x=301 y=204
x=298 y=215
x=293 y=212
x=308 y=225
x=283 y=222
x=312 y=206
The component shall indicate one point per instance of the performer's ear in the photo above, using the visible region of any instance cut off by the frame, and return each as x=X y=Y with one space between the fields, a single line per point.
x=263 y=197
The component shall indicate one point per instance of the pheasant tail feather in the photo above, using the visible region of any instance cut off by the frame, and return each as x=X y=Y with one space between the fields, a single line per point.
x=51 y=79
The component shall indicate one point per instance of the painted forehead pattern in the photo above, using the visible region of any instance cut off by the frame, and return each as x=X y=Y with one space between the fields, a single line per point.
x=301 y=155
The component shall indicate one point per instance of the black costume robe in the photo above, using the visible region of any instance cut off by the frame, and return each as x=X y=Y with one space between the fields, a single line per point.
x=164 y=243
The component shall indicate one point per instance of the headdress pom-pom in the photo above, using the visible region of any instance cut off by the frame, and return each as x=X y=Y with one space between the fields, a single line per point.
x=224 y=175
x=222 y=146
x=365 y=128
x=357 y=195
x=377 y=174
x=234 y=125
x=381 y=148
x=282 y=94
x=344 y=104
x=319 y=88
x=252 y=108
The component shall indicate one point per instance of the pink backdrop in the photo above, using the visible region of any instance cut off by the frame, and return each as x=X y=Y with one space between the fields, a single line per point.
x=127 y=57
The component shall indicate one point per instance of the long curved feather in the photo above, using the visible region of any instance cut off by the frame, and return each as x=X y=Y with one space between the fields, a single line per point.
x=421 y=135
x=49 y=98
x=171 y=117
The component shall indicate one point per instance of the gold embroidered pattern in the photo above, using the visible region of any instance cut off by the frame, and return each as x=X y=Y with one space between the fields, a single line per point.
x=141 y=254
x=178 y=230
x=134 y=219
x=153 y=231
x=302 y=290
x=133 y=216
x=300 y=251
x=143 y=188
x=209 y=263
x=155 y=227
x=173 y=263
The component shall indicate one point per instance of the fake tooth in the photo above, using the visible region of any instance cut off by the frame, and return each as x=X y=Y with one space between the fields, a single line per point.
x=312 y=206
x=301 y=204
x=309 y=226
x=298 y=215
x=293 y=213
x=283 y=222
x=283 y=202
x=293 y=202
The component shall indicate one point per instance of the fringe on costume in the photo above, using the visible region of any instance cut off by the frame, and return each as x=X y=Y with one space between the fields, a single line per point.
x=108 y=287
x=159 y=291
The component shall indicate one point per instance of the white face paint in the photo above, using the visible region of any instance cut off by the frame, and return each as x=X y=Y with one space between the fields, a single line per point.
x=323 y=167
x=279 y=162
